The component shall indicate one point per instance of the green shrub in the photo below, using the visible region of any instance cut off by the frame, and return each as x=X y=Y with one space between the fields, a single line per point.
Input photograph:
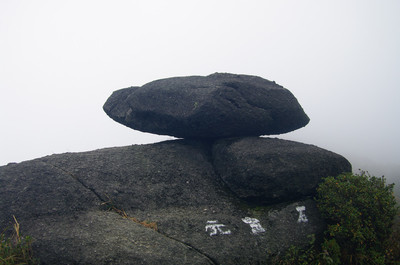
x=16 y=249
x=393 y=244
x=296 y=255
x=360 y=211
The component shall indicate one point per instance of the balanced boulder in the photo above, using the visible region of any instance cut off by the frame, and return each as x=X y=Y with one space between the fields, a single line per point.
x=188 y=201
x=269 y=170
x=216 y=106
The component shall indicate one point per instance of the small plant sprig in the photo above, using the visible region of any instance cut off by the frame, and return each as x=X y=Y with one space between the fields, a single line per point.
x=16 y=249
x=111 y=207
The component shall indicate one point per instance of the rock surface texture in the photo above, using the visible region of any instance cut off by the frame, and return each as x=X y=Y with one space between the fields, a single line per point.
x=67 y=204
x=209 y=199
x=215 y=106
x=266 y=170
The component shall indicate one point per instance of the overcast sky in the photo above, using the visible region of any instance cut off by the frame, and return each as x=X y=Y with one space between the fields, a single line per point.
x=60 y=60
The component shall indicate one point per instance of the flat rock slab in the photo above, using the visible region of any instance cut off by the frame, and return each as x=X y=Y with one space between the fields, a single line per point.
x=215 y=106
x=103 y=237
x=269 y=170
x=65 y=202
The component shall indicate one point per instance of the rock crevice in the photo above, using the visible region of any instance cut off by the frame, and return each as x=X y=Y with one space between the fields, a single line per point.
x=101 y=199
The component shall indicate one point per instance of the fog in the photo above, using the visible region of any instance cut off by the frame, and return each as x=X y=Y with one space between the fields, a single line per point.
x=60 y=60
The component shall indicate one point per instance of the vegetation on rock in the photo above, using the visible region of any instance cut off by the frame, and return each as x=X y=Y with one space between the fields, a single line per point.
x=16 y=249
x=110 y=206
x=360 y=211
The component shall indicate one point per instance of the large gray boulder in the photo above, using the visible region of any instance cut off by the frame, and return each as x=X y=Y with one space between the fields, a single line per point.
x=270 y=170
x=215 y=106
x=79 y=208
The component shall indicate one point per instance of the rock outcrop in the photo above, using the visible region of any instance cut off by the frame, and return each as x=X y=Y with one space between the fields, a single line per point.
x=215 y=106
x=266 y=170
x=209 y=199
x=64 y=202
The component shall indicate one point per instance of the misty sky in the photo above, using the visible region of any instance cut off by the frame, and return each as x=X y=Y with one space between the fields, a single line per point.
x=60 y=60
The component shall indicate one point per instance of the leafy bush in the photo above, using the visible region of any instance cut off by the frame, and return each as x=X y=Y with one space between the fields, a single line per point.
x=296 y=255
x=393 y=244
x=16 y=249
x=360 y=211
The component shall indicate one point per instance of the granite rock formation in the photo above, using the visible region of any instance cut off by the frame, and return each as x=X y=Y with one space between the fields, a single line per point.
x=266 y=170
x=68 y=203
x=221 y=196
x=216 y=106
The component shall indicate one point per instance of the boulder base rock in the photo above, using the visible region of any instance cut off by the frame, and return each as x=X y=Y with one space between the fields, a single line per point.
x=68 y=203
x=215 y=106
x=269 y=170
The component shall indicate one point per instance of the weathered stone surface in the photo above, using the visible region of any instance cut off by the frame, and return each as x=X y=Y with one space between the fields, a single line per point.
x=61 y=201
x=214 y=106
x=269 y=170
x=35 y=188
x=101 y=237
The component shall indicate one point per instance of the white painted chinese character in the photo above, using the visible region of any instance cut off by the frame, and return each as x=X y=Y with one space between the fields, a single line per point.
x=215 y=228
x=302 y=215
x=255 y=225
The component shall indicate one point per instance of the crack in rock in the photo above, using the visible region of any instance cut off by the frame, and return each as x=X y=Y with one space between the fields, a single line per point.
x=186 y=245
x=79 y=181
x=190 y=247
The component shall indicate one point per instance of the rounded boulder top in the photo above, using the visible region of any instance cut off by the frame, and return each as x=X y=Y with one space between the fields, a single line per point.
x=219 y=105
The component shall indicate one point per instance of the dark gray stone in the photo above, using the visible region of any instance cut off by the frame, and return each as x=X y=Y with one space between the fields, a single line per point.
x=101 y=237
x=61 y=200
x=215 y=106
x=269 y=170
x=35 y=188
